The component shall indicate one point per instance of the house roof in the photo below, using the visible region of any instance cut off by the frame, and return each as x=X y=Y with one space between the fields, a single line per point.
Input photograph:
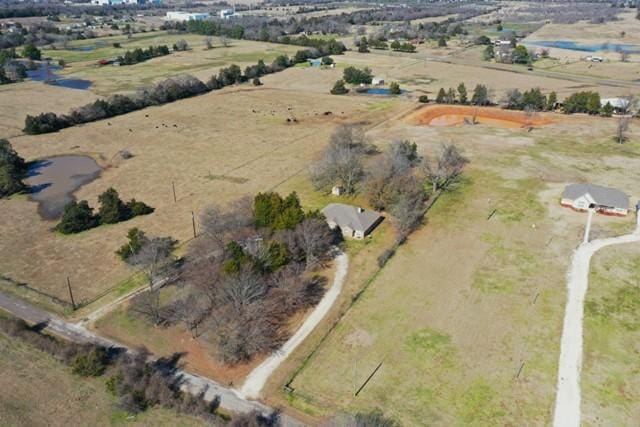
x=603 y=196
x=350 y=216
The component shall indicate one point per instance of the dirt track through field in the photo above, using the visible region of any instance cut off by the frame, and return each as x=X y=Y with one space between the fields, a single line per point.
x=568 y=399
x=256 y=380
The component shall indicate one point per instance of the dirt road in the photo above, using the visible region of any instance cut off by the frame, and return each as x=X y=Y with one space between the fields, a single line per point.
x=567 y=408
x=256 y=380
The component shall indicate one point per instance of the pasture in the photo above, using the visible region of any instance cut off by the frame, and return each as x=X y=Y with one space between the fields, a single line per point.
x=610 y=378
x=465 y=320
x=214 y=148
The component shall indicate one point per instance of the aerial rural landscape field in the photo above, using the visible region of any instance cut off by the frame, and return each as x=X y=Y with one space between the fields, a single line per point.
x=287 y=213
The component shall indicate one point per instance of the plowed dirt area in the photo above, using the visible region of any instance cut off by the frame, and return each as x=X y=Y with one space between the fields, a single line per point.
x=454 y=115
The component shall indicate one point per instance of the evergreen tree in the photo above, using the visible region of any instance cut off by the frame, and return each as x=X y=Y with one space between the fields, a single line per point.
x=77 y=217
x=339 y=88
x=462 y=94
x=112 y=209
x=441 y=97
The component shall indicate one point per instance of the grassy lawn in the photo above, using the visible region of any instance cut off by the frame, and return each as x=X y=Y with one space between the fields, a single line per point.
x=610 y=373
x=37 y=390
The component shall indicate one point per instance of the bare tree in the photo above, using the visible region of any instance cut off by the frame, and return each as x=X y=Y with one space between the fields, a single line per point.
x=148 y=304
x=627 y=103
x=445 y=168
x=621 y=129
x=223 y=226
x=154 y=258
x=314 y=238
x=224 y=41
x=624 y=56
x=208 y=43
x=192 y=311
x=342 y=160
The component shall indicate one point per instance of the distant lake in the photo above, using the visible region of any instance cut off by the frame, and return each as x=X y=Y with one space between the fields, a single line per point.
x=586 y=47
x=53 y=181
x=40 y=74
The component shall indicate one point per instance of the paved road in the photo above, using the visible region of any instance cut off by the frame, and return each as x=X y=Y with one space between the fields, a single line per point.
x=194 y=384
x=567 y=409
x=256 y=380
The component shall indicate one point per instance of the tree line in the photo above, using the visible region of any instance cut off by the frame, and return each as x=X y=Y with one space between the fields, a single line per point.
x=168 y=90
x=79 y=216
x=138 y=55
x=237 y=30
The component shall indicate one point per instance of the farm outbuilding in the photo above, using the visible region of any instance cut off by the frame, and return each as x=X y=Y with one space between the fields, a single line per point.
x=351 y=220
x=582 y=197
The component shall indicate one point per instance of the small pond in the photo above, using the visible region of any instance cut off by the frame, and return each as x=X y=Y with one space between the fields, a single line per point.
x=587 y=47
x=379 y=91
x=41 y=74
x=53 y=181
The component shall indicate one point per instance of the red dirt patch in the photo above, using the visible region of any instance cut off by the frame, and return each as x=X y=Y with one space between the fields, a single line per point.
x=454 y=115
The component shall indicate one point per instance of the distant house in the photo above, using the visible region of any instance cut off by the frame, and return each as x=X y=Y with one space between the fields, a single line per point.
x=620 y=104
x=351 y=220
x=315 y=62
x=227 y=13
x=179 y=16
x=377 y=81
x=605 y=200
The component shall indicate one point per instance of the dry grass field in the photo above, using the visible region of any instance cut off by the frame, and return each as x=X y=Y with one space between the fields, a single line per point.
x=469 y=301
x=38 y=391
x=29 y=97
x=610 y=373
x=215 y=148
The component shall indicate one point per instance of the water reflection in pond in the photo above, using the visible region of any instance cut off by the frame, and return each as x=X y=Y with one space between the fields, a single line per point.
x=49 y=74
x=53 y=181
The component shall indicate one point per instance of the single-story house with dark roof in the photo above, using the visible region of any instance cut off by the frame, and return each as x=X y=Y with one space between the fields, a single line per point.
x=605 y=200
x=351 y=220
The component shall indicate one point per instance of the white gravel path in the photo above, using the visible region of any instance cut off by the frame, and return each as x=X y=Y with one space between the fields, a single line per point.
x=256 y=380
x=567 y=408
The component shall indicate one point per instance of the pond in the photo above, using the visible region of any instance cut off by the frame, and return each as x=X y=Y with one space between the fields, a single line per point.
x=587 y=47
x=379 y=91
x=53 y=181
x=42 y=74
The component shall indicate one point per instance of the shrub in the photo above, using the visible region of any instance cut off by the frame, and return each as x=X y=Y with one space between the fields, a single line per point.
x=385 y=256
x=394 y=89
x=90 y=364
x=339 y=88
x=256 y=81
x=423 y=98
x=77 y=217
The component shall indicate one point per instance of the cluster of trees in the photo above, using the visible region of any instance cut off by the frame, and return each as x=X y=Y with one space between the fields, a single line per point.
x=356 y=76
x=244 y=276
x=393 y=180
x=480 y=95
x=582 y=102
x=531 y=100
x=12 y=169
x=79 y=216
x=13 y=70
x=402 y=46
x=137 y=383
x=565 y=13
x=140 y=55
x=169 y=90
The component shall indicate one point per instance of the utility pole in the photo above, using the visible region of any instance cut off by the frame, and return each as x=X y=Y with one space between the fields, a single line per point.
x=193 y=222
x=173 y=185
x=73 y=302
